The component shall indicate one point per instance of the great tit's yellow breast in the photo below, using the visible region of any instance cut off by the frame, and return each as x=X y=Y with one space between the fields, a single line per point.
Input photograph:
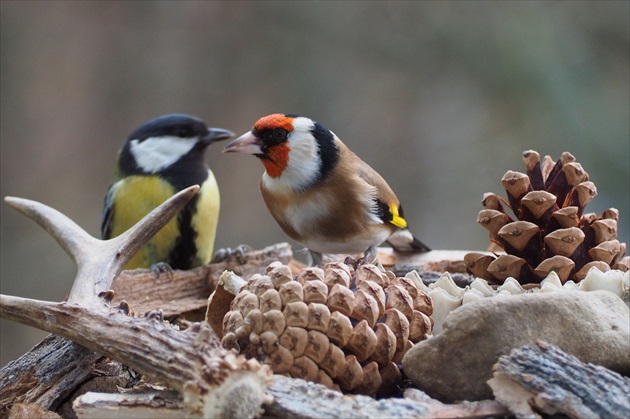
x=205 y=219
x=135 y=197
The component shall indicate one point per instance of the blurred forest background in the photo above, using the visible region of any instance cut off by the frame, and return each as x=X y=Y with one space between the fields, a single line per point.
x=440 y=97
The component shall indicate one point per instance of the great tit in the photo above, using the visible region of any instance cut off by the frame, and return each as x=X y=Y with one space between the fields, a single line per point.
x=321 y=194
x=160 y=158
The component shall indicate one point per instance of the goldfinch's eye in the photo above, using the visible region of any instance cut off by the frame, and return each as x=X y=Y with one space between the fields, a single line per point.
x=279 y=134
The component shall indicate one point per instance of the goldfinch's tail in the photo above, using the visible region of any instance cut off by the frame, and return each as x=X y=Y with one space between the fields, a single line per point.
x=404 y=241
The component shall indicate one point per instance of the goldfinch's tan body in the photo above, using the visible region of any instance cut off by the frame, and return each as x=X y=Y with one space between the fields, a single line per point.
x=321 y=194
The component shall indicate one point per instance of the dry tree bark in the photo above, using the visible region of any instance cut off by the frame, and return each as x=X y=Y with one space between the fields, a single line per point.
x=543 y=379
x=46 y=375
x=296 y=398
x=154 y=405
x=181 y=292
x=213 y=382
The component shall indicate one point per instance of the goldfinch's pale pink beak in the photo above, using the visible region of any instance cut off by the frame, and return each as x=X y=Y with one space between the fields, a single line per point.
x=247 y=143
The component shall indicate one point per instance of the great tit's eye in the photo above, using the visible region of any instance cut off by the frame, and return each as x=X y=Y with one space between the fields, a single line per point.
x=279 y=134
x=182 y=132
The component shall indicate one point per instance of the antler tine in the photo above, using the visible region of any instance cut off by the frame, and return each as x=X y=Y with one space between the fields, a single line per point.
x=66 y=232
x=99 y=261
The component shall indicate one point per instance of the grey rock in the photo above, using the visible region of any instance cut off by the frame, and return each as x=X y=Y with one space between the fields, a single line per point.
x=455 y=365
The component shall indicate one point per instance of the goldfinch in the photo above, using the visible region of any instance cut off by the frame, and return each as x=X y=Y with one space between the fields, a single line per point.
x=160 y=158
x=321 y=194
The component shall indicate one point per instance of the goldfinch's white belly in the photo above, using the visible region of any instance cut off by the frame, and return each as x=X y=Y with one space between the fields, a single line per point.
x=353 y=245
x=314 y=222
x=305 y=218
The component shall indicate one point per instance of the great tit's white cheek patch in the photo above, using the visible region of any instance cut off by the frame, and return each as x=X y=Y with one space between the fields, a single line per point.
x=157 y=153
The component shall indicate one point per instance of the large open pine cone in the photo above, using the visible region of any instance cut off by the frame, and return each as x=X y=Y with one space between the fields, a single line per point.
x=345 y=329
x=551 y=231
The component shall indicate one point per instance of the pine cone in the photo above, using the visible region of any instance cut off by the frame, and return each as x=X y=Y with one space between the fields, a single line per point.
x=344 y=329
x=551 y=232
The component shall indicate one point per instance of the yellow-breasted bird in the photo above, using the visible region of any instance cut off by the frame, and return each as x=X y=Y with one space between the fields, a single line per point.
x=160 y=158
x=322 y=195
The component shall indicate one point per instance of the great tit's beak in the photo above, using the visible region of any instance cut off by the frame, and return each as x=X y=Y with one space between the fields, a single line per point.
x=217 y=134
x=247 y=143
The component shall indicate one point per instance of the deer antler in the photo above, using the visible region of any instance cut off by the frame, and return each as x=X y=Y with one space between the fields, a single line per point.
x=192 y=362
x=99 y=261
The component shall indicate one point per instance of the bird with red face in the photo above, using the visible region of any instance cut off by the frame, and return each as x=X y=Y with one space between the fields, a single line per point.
x=321 y=194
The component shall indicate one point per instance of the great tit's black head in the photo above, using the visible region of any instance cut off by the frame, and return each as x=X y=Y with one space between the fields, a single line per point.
x=166 y=140
x=179 y=126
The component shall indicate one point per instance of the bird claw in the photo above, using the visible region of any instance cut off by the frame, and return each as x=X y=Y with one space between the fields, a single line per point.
x=363 y=260
x=160 y=268
x=354 y=263
x=239 y=252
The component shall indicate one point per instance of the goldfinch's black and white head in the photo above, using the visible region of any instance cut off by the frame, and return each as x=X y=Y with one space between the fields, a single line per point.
x=320 y=193
x=296 y=151
x=167 y=140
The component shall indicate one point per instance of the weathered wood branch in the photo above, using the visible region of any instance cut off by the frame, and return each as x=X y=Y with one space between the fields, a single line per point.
x=292 y=398
x=46 y=375
x=435 y=260
x=155 y=405
x=543 y=379
x=296 y=398
x=185 y=291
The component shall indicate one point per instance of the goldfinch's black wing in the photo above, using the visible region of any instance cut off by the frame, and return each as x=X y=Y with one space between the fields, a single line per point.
x=391 y=214
x=387 y=207
x=402 y=239
x=108 y=213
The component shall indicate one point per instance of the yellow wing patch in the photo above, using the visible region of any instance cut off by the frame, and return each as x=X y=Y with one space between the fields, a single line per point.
x=397 y=220
x=134 y=198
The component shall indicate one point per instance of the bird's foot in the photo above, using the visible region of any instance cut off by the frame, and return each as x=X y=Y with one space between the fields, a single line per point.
x=161 y=268
x=239 y=252
x=315 y=258
x=368 y=257
x=355 y=263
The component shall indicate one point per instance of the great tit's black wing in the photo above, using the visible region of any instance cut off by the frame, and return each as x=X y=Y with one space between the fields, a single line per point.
x=108 y=213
